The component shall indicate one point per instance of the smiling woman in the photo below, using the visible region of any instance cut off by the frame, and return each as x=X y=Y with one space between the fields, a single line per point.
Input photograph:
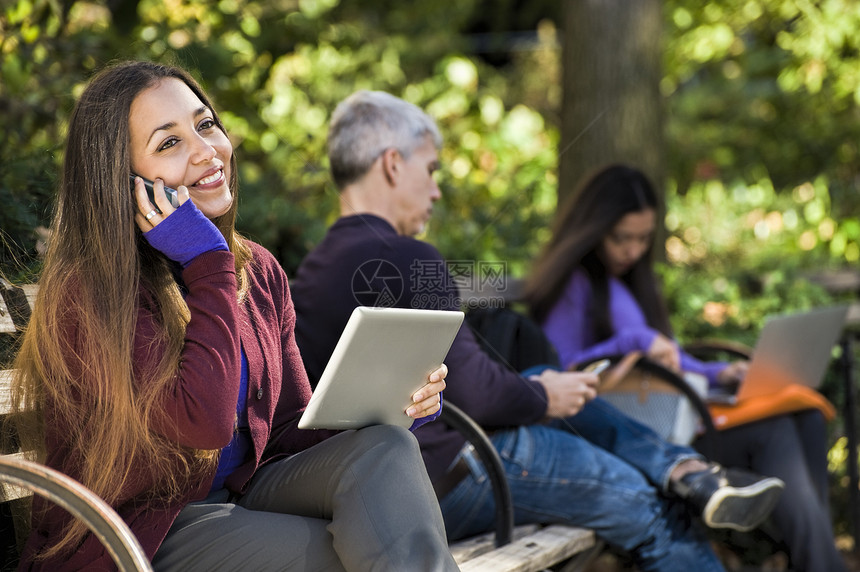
x=161 y=356
x=189 y=152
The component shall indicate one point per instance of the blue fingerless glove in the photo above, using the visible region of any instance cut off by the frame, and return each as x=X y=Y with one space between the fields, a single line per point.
x=185 y=234
x=424 y=420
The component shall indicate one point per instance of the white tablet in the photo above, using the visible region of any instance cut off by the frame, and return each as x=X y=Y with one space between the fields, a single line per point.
x=384 y=355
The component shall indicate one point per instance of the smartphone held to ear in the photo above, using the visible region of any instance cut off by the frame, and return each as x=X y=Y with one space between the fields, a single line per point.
x=172 y=195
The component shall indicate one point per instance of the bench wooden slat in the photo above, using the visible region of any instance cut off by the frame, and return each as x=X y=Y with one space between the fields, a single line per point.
x=534 y=552
x=469 y=548
x=11 y=492
x=5 y=391
x=30 y=290
x=7 y=326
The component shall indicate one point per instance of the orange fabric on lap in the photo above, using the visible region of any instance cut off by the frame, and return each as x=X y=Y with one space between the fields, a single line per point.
x=792 y=398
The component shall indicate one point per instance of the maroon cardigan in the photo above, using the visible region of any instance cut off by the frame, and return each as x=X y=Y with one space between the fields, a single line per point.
x=199 y=410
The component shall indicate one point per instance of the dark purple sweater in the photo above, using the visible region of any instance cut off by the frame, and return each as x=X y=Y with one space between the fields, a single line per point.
x=363 y=261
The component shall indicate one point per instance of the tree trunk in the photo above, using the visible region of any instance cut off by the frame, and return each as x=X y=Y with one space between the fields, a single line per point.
x=611 y=107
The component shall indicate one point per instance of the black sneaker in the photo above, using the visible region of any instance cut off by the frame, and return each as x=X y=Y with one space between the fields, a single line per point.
x=730 y=498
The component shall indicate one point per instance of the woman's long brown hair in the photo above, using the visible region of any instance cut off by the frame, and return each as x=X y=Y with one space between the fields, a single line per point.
x=579 y=229
x=95 y=269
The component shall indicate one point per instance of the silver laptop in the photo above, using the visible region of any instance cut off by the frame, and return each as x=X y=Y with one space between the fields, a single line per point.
x=382 y=358
x=792 y=348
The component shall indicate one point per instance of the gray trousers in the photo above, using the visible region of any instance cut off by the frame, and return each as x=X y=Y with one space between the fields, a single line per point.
x=360 y=500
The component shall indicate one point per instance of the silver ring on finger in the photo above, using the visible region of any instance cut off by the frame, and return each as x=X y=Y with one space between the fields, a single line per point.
x=151 y=214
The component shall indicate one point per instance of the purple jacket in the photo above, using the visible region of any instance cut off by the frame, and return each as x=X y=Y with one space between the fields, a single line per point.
x=569 y=327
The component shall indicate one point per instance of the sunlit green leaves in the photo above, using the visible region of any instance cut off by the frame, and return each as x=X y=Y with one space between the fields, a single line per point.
x=316 y=8
x=766 y=85
x=462 y=73
x=759 y=92
x=737 y=254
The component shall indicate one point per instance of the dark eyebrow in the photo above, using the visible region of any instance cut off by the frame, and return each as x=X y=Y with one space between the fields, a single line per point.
x=164 y=127
x=197 y=113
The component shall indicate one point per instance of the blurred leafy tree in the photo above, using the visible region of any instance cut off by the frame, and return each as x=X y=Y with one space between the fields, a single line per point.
x=763 y=130
x=276 y=70
x=765 y=89
x=759 y=92
x=737 y=254
x=43 y=57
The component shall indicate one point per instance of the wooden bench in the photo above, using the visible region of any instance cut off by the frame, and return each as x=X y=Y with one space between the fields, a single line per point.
x=533 y=548
x=530 y=548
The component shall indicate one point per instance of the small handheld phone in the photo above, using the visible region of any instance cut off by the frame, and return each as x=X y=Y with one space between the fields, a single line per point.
x=171 y=193
x=598 y=367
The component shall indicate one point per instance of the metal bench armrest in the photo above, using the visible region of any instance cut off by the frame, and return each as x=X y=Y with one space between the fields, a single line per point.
x=454 y=417
x=99 y=517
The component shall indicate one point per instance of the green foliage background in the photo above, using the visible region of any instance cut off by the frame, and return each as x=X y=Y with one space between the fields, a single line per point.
x=276 y=71
x=763 y=126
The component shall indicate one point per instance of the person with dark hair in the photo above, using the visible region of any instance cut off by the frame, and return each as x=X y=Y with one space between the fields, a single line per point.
x=160 y=367
x=568 y=458
x=594 y=291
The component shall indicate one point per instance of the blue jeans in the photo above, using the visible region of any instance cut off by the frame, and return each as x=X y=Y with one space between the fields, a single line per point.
x=598 y=469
